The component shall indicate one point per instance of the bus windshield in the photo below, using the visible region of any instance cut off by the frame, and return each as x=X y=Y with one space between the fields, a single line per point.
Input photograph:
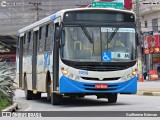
x=98 y=44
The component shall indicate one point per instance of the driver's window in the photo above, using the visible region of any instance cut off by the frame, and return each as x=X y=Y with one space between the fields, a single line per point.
x=118 y=40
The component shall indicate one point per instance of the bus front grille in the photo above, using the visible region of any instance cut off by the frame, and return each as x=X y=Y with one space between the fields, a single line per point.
x=101 y=68
x=104 y=79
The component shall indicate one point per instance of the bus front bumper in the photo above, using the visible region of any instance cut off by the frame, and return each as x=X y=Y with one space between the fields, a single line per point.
x=70 y=86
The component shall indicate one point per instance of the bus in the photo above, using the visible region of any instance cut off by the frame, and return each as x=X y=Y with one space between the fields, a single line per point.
x=78 y=52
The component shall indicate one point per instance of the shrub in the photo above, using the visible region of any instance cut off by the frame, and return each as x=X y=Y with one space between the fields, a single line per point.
x=6 y=85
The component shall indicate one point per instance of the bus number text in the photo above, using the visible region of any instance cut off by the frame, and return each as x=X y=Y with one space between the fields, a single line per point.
x=83 y=72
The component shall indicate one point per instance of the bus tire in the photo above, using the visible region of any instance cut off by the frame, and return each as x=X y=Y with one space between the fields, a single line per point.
x=81 y=96
x=112 y=98
x=37 y=96
x=56 y=99
x=28 y=93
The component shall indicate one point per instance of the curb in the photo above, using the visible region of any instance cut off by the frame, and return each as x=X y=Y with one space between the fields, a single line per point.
x=11 y=108
x=149 y=93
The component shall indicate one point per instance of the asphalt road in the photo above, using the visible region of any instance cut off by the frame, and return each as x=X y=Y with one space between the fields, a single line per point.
x=91 y=103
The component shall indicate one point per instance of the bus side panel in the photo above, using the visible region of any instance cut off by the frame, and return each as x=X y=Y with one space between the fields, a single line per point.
x=41 y=82
x=41 y=75
x=27 y=67
x=44 y=64
x=17 y=72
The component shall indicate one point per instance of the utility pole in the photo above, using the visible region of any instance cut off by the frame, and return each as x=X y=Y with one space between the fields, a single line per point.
x=36 y=5
x=139 y=47
x=138 y=17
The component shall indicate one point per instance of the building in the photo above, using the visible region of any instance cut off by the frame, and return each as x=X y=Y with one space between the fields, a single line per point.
x=149 y=11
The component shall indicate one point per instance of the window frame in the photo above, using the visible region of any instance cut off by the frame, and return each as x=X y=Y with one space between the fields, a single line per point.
x=146 y=24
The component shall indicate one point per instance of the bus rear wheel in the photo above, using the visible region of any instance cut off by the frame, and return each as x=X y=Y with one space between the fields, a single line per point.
x=37 y=96
x=81 y=96
x=56 y=99
x=112 y=98
x=28 y=94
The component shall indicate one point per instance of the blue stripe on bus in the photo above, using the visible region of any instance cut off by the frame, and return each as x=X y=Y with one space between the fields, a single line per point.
x=70 y=86
x=53 y=17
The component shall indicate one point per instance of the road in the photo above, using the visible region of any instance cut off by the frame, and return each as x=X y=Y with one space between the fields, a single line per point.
x=90 y=103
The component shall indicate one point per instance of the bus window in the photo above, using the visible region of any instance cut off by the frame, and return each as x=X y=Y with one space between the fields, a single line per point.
x=17 y=45
x=30 y=44
x=51 y=35
x=40 y=33
x=47 y=26
x=49 y=39
x=25 y=45
x=24 y=39
x=41 y=44
x=29 y=37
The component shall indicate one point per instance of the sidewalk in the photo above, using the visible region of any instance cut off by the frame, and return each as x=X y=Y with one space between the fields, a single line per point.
x=151 y=88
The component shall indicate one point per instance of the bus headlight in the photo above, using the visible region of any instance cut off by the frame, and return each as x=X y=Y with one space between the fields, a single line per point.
x=134 y=73
x=65 y=72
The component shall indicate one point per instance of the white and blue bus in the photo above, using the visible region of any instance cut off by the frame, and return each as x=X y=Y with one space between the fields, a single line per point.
x=78 y=52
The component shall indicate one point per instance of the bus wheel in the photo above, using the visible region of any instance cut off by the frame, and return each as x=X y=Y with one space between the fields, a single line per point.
x=112 y=98
x=72 y=96
x=28 y=93
x=37 y=96
x=81 y=96
x=56 y=99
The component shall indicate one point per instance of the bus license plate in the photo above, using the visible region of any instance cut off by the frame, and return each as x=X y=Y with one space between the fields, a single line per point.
x=101 y=86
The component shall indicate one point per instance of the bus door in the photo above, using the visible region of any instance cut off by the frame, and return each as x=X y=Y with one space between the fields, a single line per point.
x=34 y=60
x=21 y=39
x=56 y=59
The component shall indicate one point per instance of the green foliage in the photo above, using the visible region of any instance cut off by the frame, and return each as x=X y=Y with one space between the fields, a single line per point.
x=3 y=103
x=6 y=86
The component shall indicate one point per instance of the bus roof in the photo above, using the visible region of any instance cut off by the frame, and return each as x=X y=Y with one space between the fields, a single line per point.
x=60 y=14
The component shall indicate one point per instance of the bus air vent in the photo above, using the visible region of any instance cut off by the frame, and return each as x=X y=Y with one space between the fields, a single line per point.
x=104 y=79
x=101 y=68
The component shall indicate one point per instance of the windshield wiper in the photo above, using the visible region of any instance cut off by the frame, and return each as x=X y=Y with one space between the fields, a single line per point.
x=112 y=35
x=87 y=33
